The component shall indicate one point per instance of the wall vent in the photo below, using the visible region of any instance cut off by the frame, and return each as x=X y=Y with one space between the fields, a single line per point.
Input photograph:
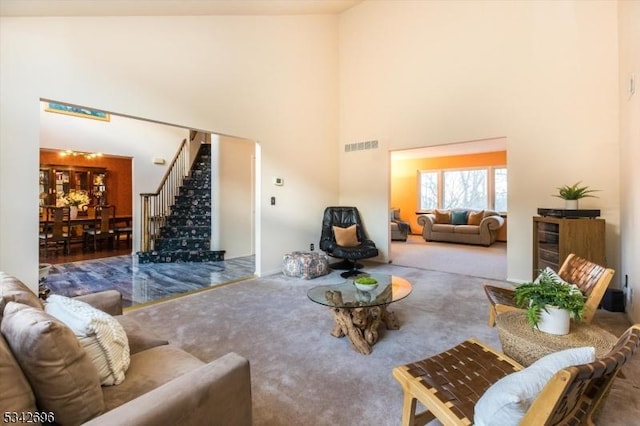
x=359 y=146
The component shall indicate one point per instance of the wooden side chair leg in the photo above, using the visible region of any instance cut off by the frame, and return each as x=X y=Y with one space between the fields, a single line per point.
x=492 y=316
x=409 y=415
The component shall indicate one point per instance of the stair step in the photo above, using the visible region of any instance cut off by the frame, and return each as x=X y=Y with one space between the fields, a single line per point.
x=170 y=256
x=187 y=243
x=194 y=192
x=186 y=231
x=189 y=199
x=191 y=209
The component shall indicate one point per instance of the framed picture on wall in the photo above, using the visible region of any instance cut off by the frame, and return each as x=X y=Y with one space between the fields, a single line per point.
x=77 y=111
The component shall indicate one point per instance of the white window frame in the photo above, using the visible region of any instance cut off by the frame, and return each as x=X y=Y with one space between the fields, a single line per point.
x=440 y=172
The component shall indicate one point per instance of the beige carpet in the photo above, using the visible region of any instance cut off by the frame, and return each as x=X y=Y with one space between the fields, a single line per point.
x=466 y=259
x=301 y=375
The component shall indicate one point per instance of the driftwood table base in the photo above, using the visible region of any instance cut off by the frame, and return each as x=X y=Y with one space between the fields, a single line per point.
x=360 y=324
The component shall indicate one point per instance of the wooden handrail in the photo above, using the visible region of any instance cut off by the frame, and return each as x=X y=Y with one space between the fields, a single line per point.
x=168 y=172
x=156 y=206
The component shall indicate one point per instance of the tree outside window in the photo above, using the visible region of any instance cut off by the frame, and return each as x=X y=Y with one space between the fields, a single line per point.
x=478 y=189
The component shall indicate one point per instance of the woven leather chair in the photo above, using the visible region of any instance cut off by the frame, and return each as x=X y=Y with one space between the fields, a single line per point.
x=591 y=278
x=344 y=217
x=449 y=384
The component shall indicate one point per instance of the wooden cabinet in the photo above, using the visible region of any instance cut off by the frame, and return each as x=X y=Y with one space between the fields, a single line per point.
x=554 y=238
x=57 y=181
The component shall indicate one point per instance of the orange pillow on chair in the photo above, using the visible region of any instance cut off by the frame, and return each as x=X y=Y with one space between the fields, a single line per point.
x=346 y=237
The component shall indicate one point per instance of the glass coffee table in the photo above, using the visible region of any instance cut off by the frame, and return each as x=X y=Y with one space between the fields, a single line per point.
x=358 y=314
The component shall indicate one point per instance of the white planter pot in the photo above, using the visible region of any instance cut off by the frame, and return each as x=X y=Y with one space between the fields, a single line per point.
x=555 y=321
x=571 y=204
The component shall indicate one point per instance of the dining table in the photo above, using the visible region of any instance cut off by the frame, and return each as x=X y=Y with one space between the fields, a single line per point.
x=85 y=220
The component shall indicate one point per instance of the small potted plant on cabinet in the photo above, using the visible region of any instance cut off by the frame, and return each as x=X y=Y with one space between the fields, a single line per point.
x=550 y=303
x=572 y=193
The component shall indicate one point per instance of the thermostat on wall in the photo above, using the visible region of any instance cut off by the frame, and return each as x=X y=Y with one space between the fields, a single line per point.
x=278 y=181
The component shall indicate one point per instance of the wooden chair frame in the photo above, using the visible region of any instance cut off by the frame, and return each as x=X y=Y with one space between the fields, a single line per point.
x=56 y=229
x=450 y=384
x=591 y=278
x=103 y=227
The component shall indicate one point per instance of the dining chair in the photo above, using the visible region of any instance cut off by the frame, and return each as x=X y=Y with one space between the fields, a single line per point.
x=56 y=228
x=103 y=228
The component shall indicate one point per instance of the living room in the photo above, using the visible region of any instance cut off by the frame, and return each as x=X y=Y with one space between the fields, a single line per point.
x=553 y=77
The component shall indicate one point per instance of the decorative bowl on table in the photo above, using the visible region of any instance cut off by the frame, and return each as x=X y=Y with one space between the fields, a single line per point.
x=365 y=283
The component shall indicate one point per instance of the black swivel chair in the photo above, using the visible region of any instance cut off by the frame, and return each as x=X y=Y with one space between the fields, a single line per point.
x=344 y=217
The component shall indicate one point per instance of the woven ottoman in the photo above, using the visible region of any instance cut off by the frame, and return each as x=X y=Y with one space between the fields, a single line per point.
x=306 y=265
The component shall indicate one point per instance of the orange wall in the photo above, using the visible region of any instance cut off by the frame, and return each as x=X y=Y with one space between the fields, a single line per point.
x=404 y=178
x=119 y=183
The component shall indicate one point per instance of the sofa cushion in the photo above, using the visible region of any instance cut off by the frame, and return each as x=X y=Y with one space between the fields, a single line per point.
x=475 y=218
x=13 y=290
x=442 y=217
x=140 y=338
x=15 y=392
x=61 y=374
x=443 y=228
x=150 y=369
x=100 y=335
x=346 y=237
x=467 y=229
x=459 y=217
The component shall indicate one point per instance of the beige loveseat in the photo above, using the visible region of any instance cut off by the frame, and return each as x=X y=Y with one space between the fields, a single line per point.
x=479 y=227
x=48 y=375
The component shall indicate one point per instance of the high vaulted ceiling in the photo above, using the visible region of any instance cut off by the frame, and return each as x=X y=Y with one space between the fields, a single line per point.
x=172 y=7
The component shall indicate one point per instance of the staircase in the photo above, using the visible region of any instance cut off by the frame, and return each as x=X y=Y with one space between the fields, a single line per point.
x=185 y=235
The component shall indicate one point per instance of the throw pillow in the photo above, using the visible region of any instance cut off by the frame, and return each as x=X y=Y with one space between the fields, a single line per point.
x=13 y=290
x=551 y=274
x=61 y=375
x=346 y=237
x=459 y=217
x=508 y=399
x=15 y=392
x=101 y=336
x=475 y=218
x=442 y=217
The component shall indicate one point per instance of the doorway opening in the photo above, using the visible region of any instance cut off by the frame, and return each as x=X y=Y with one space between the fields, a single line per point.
x=470 y=176
x=148 y=148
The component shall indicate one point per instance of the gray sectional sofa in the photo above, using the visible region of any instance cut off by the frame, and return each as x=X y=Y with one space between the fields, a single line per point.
x=480 y=227
x=47 y=373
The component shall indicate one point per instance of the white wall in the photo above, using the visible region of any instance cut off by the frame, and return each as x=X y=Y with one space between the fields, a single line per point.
x=236 y=196
x=629 y=19
x=542 y=74
x=271 y=79
x=122 y=136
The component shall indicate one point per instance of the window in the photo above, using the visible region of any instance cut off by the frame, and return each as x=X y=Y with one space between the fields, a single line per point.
x=428 y=190
x=500 y=189
x=477 y=188
x=465 y=188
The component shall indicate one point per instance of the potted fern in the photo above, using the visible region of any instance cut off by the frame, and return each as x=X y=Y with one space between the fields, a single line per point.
x=572 y=193
x=550 y=303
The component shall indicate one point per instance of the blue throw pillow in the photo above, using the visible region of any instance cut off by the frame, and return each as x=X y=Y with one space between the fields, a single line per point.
x=459 y=217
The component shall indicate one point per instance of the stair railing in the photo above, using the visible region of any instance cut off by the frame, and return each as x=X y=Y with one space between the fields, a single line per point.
x=156 y=206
